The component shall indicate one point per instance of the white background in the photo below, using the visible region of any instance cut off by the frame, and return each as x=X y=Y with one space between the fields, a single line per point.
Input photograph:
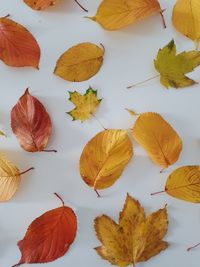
x=128 y=59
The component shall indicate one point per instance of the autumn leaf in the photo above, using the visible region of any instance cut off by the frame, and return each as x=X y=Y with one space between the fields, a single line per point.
x=104 y=158
x=185 y=19
x=158 y=138
x=31 y=123
x=136 y=238
x=10 y=178
x=116 y=14
x=18 y=47
x=173 y=67
x=184 y=184
x=80 y=62
x=86 y=104
x=49 y=236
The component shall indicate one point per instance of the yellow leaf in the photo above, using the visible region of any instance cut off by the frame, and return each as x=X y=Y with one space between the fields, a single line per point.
x=136 y=238
x=117 y=14
x=80 y=62
x=86 y=104
x=184 y=184
x=158 y=138
x=173 y=67
x=104 y=158
x=186 y=19
x=131 y=112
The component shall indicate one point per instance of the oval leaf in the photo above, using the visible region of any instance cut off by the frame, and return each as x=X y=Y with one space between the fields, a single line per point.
x=31 y=123
x=80 y=62
x=40 y=4
x=49 y=236
x=186 y=18
x=105 y=157
x=117 y=14
x=158 y=138
x=18 y=47
x=184 y=184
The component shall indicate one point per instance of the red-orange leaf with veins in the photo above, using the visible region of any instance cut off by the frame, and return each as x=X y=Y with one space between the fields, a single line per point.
x=49 y=236
x=18 y=47
x=31 y=123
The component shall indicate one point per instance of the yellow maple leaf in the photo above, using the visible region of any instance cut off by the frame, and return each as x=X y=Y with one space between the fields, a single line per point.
x=186 y=19
x=86 y=104
x=104 y=158
x=158 y=138
x=136 y=238
x=80 y=62
x=117 y=14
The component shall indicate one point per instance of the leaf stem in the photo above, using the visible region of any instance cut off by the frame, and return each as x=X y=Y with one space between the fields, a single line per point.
x=49 y=150
x=81 y=6
x=163 y=18
x=197 y=245
x=98 y=195
x=159 y=192
x=32 y=168
x=99 y=122
x=136 y=84
x=59 y=197
x=103 y=47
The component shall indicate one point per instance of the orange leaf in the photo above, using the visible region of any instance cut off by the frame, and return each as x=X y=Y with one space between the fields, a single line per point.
x=31 y=123
x=49 y=236
x=18 y=47
x=40 y=4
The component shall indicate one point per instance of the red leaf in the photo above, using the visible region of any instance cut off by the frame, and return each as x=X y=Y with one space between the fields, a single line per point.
x=31 y=123
x=49 y=236
x=18 y=47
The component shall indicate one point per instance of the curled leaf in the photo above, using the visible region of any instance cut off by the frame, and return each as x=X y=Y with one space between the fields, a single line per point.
x=80 y=62
x=104 y=158
x=86 y=104
x=158 y=138
x=185 y=18
x=117 y=14
x=31 y=123
x=136 y=238
x=18 y=47
x=49 y=236
x=173 y=67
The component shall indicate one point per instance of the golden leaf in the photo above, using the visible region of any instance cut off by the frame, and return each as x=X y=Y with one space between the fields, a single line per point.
x=80 y=62
x=86 y=104
x=104 y=158
x=117 y=14
x=186 y=18
x=158 y=138
x=135 y=239
x=173 y=67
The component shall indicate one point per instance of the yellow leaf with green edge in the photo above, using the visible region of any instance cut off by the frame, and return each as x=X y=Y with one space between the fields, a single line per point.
x=86 y=105
x=104 y=158
x=116 y=14
x=136 y=238
x=186 y=19
x=173 y=67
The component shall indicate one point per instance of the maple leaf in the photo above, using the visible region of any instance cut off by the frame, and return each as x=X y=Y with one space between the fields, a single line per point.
x=173 y=67
x=86 y=104
x=104 y=158
x=136 y=238
x=185 y=19
x=117 y=14
x=80 y=62
x=18 y=47
x=158 y=138
x=49 y=236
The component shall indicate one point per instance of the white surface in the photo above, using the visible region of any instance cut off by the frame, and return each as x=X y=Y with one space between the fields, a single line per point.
x=128 y=59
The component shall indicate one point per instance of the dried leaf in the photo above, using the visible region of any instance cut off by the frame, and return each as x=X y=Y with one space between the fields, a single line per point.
x=40 y=4
x=86 y=104
x=18 y=47
x=31 y=123
x=186 y=20
x=173 y=67
x=117 y=14
x=10 y=178
x=80 y=62
x=104 y=158
x=49 y=236
x=135 y=239
x=158 y=138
